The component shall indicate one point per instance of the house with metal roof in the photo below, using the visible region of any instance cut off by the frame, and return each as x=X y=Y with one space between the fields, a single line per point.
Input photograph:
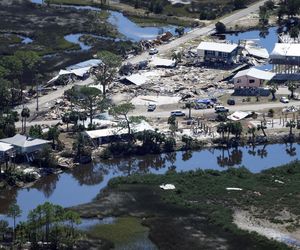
x=285 y=59
x=212 y=52
x=103 y=136
x=24 y=144
x=251 y=78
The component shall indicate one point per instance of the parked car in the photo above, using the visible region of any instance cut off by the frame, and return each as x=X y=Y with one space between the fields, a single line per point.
x=153 y=51
x=231 y=102
x=221 y=109
x=151 y=107
x=284 y=99
x=177 y=113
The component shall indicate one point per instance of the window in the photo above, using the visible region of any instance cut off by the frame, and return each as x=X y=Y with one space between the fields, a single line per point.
x=209 y=53
x=251 y=81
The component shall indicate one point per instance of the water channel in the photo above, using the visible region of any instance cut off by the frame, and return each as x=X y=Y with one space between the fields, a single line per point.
x=83 y=183
x=129 y=29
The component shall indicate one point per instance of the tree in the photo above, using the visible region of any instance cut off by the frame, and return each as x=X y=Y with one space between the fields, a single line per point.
x=179 y=31
x=190 y=105
x=123 y=110
x=236 y=129
x=262 y=126
x=291 y=124
x=107 y=71
x=74 y=117
x=36 y=131
x=221 y=129
x=252 y=131
x=239 y=4
x=66 y=119
x=220 y=27
x=91 y=100
x=25 y=114
x=273 y=89
x=53 y=134
x=82 y=117
x=14 y=212
x=292 y=87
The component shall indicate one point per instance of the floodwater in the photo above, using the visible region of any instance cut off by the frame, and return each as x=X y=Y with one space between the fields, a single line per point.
x=83 y=183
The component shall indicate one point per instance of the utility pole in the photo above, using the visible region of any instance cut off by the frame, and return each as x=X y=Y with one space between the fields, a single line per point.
x=37 y=97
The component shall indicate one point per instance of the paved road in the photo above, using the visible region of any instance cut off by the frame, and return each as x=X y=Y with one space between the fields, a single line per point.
x=244 y=107
x=46 y=101
x=199 y=32
x=141 y=110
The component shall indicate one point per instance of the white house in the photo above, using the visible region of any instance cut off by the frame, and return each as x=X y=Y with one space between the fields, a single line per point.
x=5 y=149
x=251 y=78
x=24 y=144
x=102 y=136
x=213 y=52
x=285 y=59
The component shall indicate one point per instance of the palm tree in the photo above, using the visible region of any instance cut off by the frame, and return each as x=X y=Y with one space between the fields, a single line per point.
x=292 y=87
x=221 y=129
x=291 y=124
x=252 y=131
x=262 y=126
x=66 y=119
x=189 y=105
x=25 y=113
x=53 y=135
x=273 y=89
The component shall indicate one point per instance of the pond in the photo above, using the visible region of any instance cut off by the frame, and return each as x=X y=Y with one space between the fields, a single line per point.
x=83 y=183
x=124 y=25
x=266 y=40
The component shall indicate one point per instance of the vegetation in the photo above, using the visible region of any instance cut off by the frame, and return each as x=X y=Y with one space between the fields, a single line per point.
x=204 y=192
x=47 y=224
x=107 y=71
x=124 y=230
x=220 y=28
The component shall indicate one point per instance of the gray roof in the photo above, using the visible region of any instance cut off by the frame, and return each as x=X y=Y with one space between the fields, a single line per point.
x=24 y=141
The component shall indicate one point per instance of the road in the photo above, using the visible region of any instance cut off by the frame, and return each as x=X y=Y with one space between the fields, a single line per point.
x=198 y=32
x=142 y=110
x=199 y=112
x=46 y=101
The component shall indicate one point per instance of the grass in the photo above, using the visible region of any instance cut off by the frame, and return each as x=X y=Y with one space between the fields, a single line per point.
x=123 y=231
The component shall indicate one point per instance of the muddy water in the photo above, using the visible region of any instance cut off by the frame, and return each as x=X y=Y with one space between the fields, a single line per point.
x=83 y=183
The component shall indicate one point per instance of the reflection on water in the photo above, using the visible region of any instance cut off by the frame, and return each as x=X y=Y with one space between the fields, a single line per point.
x=83 y=183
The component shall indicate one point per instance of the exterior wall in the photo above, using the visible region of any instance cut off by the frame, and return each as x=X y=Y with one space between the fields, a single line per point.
x=247 y=82
x=215 y=56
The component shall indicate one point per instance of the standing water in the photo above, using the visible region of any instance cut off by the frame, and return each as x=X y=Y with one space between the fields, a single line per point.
x=83 y=183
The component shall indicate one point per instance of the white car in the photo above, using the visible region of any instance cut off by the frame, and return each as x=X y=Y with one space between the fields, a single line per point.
x=153 y=51
x=177 y=113
x=284 y=99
